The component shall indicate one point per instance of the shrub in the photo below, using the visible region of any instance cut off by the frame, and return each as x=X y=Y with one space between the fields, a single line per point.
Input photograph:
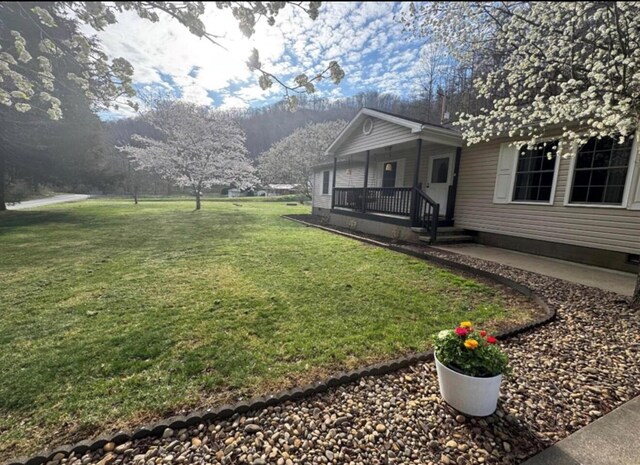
x=470 y=352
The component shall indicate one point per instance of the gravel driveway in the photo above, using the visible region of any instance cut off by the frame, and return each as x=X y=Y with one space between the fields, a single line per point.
x=566 y=374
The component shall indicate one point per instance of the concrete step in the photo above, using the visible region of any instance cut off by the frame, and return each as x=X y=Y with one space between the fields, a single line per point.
x=450 y=230
x=441 y=230
x=448 y=239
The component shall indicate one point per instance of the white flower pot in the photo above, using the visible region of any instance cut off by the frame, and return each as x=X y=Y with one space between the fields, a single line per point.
x=470 y=395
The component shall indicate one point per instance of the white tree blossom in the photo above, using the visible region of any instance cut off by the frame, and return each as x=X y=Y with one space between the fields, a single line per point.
x=568 y=65
x=573 y=66
x=27 y=77
x=198 y=148
x=291 y=159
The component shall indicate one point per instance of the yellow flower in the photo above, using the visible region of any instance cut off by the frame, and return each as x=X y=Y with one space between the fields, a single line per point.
x=465 y=324
x=471 y=344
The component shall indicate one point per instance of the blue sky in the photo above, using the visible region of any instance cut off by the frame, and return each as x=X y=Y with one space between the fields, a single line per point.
x=363 y=37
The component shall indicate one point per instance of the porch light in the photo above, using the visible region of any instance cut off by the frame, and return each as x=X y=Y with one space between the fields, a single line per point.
x=388 y=167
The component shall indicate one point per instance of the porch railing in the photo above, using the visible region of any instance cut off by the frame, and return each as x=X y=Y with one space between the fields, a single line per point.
x=426 y=213
x=404 y=201
x=390 y=200
x=348 y=197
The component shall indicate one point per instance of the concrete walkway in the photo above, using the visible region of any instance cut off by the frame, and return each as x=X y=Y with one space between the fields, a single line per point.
x=602 y=278
x=48 y=201
x=611 y=440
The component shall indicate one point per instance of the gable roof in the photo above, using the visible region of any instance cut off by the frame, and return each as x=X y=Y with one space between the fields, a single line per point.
x=414 y=120
x=414 y=125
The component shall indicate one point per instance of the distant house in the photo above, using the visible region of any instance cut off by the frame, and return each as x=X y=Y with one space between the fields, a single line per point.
x=405 y=179
x=282 y=189
x=234 y=192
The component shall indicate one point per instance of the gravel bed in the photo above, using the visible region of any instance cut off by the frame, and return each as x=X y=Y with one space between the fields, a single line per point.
x=566 y=374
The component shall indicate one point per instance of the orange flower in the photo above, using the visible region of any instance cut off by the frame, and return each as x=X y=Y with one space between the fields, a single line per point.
x=471 y=344
x=465 y=324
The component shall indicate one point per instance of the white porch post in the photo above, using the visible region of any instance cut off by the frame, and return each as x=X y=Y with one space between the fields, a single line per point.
x=416 y=178
x=333 y=182
x=366 y=183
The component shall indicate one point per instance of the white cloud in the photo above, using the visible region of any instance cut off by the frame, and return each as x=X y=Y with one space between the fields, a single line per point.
x=363 y=37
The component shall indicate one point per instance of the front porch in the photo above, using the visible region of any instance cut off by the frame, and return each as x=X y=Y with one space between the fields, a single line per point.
x=412 y=184
x=389 y=169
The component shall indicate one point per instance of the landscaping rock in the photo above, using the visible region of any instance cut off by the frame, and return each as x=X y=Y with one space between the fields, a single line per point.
x=108 y=447
x=252 y=429
x=108 y=459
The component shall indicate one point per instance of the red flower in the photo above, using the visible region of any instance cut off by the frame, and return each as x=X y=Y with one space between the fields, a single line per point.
x=483 y=333
x=461 y=331
x=491 y=340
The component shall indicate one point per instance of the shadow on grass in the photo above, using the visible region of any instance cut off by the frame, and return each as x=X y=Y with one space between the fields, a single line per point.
x=12 y=219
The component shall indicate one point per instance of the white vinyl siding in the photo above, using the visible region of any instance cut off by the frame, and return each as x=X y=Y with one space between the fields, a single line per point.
x=602 y=228
x=319 y=200
x=382 y=135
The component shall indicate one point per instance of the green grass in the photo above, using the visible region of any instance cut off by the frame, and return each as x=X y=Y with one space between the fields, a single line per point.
x=113 y=314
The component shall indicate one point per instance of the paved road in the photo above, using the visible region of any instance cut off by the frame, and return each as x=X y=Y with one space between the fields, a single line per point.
x=48 y=201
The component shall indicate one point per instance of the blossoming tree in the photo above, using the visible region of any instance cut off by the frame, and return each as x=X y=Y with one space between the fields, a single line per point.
x=29 y=79
x=573 y=66
x=198 y=148
x=291 y=159
x=49 y=46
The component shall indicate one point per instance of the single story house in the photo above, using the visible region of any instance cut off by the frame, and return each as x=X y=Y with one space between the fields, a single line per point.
x=235 y=192
x=397 y=177
x=282 y=189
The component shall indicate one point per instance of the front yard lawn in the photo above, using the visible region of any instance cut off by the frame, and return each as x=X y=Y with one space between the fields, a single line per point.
x=114 y=314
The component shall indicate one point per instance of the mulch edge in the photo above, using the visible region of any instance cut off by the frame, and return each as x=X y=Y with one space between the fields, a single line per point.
x=341 y=378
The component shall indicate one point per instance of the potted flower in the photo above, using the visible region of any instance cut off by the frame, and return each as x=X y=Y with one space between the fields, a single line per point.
x=470 y=366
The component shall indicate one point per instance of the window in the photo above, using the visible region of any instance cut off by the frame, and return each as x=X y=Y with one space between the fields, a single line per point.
x=600 y=173
x=325 y=182
x=440 y=171
x=535 y=172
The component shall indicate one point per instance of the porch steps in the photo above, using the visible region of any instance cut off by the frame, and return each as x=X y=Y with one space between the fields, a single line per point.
x=447 y=235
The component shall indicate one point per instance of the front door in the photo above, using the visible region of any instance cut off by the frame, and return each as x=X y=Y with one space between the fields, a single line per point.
x=389 y=174
x=439 y=178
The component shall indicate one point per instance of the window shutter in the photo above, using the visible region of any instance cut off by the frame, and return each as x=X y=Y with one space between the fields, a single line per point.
x=506 y=165
x=634 y=165
x=635 y=193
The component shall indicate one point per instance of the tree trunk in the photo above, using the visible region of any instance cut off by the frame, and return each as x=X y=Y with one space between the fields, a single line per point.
x=3 y=168
x=197 y=199
x=135 y=194
x=635 y=300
